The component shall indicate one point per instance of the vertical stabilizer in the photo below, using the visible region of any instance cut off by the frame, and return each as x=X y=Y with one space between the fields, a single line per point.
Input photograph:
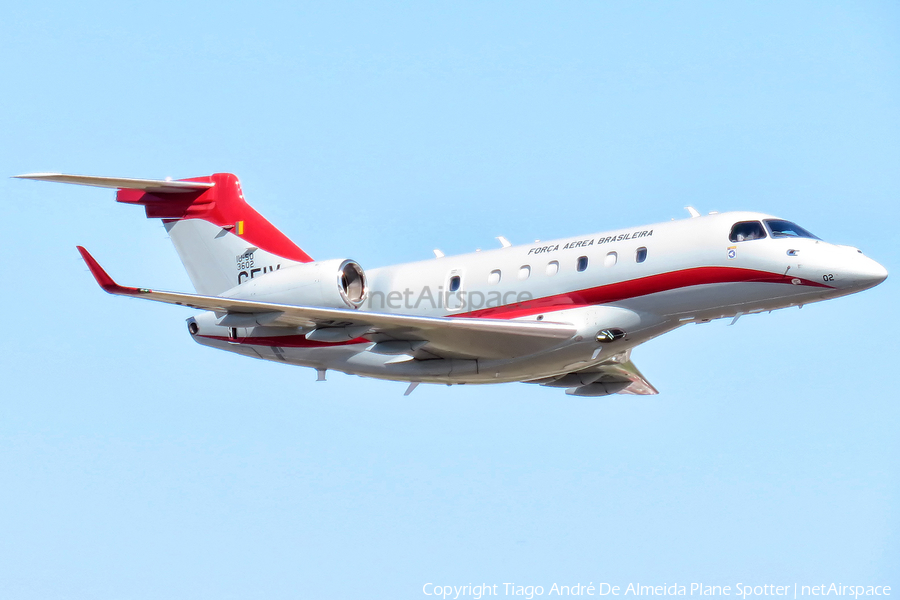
x=221 y=239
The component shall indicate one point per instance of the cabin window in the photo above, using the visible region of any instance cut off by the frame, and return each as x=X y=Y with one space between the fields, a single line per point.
x=746 y=231
x=524 y=272
x=641 y=255
x=454 y=283
x=582 y=263
x=779 y=228
x=611 y=259
x=552 y=267
x=494 y=277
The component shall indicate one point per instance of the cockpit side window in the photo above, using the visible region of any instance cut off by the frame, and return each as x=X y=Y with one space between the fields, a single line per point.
x=780 y=229
x=747 y=230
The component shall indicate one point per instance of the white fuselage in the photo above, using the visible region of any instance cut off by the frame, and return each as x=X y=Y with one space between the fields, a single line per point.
x=644 y=281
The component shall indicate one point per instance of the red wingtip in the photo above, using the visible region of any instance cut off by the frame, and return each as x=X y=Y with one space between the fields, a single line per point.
x=102 y=277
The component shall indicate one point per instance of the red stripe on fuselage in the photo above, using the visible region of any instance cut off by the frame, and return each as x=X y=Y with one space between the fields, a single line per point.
x=604 y=294
x=633 y=288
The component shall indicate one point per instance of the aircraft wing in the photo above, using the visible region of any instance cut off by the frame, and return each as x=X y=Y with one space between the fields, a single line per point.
x=627 y=371
x=443 y=336
x=615 y=375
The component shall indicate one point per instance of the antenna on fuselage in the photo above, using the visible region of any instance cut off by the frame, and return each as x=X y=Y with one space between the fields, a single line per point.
x=694 y=212
x=503 y=241
x=438 y=253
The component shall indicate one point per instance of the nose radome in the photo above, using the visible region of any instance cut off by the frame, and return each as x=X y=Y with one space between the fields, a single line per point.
x=879 y=274
x=870 y=273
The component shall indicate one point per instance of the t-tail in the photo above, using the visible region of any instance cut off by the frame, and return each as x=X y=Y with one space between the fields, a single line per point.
x=221 y=239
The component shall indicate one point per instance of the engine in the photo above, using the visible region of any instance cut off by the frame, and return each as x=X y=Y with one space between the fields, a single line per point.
x=329 y=283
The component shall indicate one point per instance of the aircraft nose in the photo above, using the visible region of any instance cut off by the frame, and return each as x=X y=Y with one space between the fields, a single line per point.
x=869 y=273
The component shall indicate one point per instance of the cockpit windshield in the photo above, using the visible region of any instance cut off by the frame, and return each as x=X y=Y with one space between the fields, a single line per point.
x=782 y=229
x=747 y=230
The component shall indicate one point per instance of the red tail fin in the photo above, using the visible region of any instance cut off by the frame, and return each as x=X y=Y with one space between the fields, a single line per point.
x=222 y=205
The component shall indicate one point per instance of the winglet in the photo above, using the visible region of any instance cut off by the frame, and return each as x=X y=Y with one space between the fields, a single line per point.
x=103 y=278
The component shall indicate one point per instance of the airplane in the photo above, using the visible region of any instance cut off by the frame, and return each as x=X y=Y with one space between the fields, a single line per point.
x=565 y=313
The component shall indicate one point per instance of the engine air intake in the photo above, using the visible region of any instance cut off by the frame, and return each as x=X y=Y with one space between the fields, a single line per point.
x=352 y=283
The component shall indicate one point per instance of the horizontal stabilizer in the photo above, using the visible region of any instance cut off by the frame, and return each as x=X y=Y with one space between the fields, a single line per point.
x=154 y=186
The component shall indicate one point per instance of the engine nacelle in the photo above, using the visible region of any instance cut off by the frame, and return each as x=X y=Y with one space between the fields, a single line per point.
x=334 y=283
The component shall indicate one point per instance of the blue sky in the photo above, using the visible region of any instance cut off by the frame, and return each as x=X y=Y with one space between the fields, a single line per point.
x=137 y=464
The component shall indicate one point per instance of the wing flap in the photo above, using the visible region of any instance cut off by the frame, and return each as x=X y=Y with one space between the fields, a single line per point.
x=445 y=337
